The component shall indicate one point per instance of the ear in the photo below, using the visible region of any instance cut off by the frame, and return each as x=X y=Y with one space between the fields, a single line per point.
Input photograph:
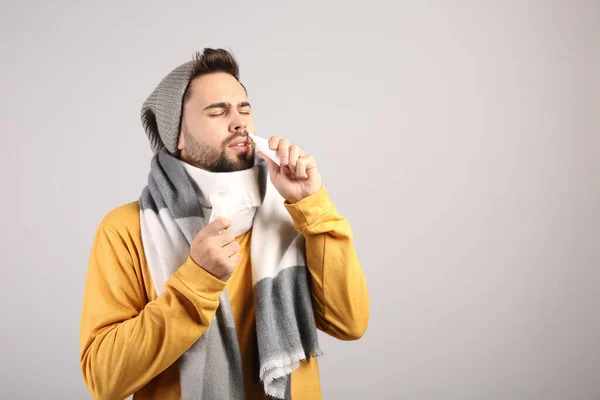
x=181 y=137
x=181 y=141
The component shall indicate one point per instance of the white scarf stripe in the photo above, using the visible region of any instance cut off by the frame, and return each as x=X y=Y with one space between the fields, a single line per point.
x=286 y=328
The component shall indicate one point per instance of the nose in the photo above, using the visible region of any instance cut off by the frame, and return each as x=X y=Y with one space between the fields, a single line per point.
x=238 y=123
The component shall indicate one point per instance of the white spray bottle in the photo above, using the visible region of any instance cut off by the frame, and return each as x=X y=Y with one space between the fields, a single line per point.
x=262 y=145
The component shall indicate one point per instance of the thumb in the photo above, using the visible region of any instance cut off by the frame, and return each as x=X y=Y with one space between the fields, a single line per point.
x=272 y=165
x=218 y=225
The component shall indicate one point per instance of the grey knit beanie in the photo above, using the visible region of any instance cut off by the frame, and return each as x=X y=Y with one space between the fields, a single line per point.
x=161 y=112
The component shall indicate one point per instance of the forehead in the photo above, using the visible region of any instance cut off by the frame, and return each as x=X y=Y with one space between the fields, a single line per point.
x=216 y=87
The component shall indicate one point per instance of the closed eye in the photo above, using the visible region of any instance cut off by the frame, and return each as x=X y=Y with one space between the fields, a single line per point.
x=244 y=108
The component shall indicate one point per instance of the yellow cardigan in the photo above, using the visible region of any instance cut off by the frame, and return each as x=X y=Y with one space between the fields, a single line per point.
x=131 y=338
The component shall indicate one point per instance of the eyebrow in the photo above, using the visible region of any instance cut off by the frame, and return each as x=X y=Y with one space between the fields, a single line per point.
x=227 y=105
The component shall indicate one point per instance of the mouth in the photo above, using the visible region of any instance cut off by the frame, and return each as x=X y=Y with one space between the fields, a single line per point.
x=240 y=144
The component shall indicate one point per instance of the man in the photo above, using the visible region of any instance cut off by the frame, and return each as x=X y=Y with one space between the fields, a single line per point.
x=213 y=284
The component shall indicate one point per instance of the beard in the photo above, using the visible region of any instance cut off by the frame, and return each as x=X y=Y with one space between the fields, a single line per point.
x=202 y=155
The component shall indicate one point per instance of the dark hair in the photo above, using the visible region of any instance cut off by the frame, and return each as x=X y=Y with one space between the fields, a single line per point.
x=210 y=61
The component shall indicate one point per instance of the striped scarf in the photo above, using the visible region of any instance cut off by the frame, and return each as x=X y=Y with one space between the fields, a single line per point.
x=171 y=216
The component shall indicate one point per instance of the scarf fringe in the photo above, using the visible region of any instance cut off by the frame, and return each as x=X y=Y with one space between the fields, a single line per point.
x=171 y=216
x=280 y=367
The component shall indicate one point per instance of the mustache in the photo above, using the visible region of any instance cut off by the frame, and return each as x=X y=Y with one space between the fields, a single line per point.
x=236 y=135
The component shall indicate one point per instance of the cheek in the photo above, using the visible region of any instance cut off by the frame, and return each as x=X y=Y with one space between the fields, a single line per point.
x=250 y=127
x=208 y=132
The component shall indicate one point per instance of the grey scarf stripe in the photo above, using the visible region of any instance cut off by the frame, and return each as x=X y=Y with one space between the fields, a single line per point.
x=286 y=331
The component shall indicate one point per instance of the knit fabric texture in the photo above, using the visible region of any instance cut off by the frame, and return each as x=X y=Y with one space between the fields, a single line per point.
x=171 y=216
x=161 y=112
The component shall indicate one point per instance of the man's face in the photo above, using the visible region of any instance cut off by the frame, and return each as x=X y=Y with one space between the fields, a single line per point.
x=214 y=127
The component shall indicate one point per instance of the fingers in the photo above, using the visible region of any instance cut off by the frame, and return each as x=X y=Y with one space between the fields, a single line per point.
x=284 y=151
x=287 y=151
x=298 y=165
x=215 y=249
x=295 y=152
x=218 y=225
x=225 y=238
x=235 y=259
x=231 y=249
x=304 y=166
x=274 y=142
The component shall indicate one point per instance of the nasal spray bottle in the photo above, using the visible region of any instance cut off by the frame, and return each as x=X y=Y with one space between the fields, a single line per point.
x=262 y=145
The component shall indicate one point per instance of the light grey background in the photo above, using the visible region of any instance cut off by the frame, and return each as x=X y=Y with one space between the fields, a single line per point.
x=460 y=139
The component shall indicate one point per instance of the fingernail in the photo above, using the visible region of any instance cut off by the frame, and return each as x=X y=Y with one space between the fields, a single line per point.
x=284 y=160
